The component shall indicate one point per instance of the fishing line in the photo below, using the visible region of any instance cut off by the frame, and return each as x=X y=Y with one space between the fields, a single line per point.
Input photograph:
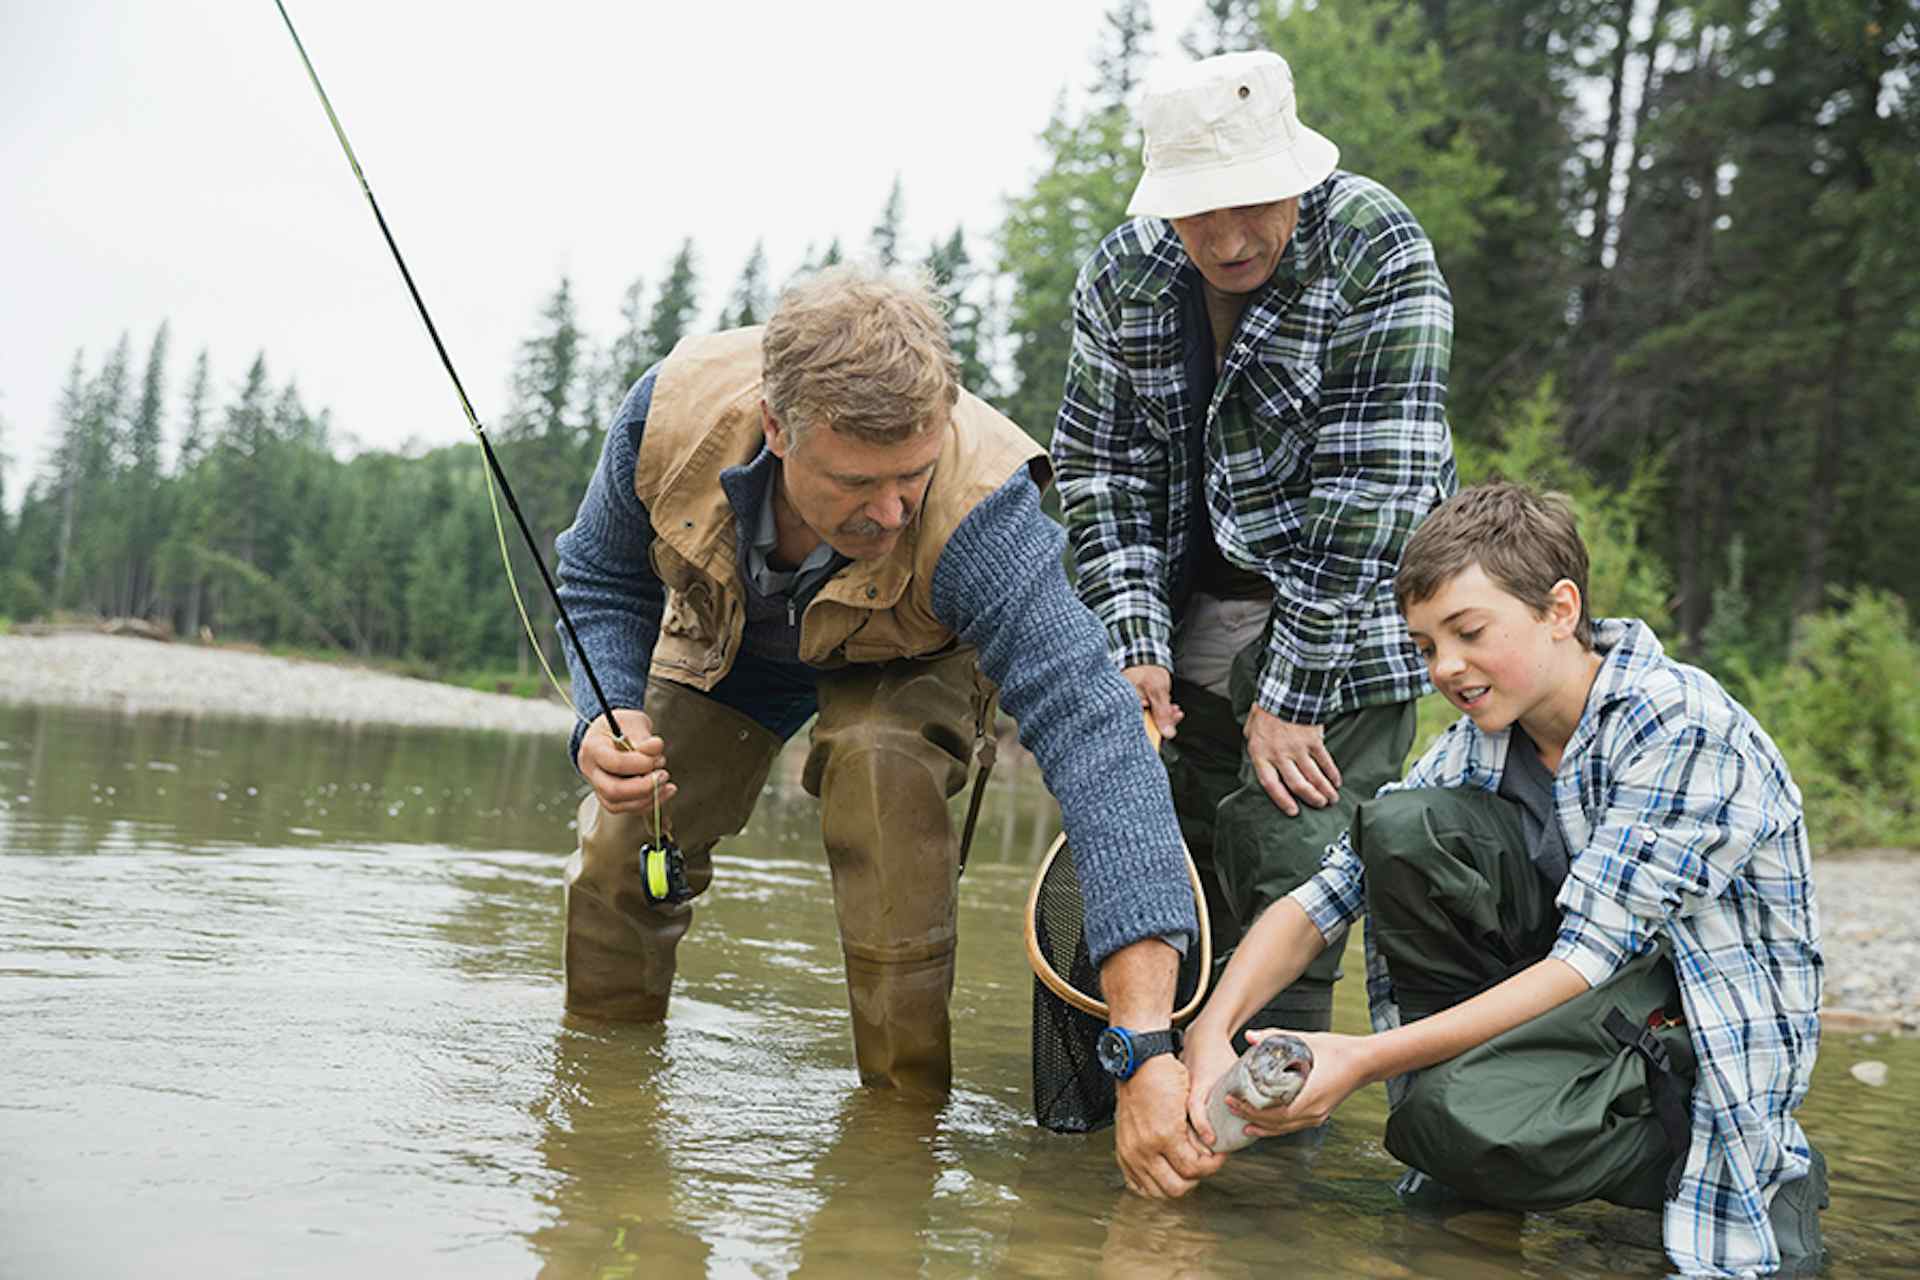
x=492 y=470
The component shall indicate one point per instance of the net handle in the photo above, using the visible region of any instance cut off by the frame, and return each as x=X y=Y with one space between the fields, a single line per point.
x=1050 y=977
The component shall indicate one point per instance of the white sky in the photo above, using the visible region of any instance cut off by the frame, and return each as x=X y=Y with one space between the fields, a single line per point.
x=170 y=161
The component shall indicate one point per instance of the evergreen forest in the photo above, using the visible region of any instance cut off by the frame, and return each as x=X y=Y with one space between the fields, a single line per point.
x=1680 y=239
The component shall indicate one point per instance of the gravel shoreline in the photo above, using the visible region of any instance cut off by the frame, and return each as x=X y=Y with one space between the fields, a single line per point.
x=1871 y=932
x=120 y=673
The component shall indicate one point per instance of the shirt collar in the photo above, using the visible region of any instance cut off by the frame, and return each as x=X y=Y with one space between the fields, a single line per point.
x=749 y=488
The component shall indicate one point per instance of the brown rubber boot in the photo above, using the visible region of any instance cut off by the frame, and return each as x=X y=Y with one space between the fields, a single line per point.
x=620 y=946
x=889 y=748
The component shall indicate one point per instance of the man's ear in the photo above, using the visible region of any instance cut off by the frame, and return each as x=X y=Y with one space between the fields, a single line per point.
x=776 y=435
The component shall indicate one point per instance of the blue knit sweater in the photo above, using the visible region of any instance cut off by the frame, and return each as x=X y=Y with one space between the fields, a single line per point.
x=1000 y=587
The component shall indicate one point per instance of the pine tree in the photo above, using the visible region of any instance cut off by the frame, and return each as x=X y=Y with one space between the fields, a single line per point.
x=1368 y=76
x=6 y=531
x=750 y=303
x=243 y=463
x=545 y=400
x=956 y=283
x=676 y=305
x=1516 y=78
x=193 y=417
x=884 y=239
x=1223 y=26
x=628 y=355
x=1126 y=40
x=143 y=497
x=1080 y=197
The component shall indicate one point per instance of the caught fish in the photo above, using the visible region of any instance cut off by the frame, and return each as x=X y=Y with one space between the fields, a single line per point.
x=1270 y=1073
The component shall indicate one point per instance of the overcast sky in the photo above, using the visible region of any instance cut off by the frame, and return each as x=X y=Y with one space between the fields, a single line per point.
x=169 y=161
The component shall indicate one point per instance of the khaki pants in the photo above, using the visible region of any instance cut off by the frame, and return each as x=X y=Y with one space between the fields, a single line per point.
x=892 y=742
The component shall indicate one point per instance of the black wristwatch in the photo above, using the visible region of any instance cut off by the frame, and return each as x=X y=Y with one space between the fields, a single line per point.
x=1122 y=1051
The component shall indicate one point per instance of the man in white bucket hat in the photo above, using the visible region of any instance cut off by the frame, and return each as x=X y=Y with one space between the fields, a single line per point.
x=1253 y=423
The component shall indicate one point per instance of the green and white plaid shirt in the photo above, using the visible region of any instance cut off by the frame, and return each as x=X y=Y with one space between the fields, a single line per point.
x=1326 y=443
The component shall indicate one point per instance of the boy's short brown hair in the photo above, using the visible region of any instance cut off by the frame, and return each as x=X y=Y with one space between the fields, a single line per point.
x=1524 y=540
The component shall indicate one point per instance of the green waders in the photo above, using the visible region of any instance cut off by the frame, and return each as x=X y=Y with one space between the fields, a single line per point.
x=1589 y=1101
x=1558 y=1110
x=1248 y=851
x=891 y=744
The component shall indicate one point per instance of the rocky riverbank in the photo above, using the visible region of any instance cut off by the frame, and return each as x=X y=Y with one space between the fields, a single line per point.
x=1868 y=916
x=120 y=673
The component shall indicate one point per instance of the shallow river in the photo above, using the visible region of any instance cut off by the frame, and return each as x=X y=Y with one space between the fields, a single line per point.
x=284 y=1000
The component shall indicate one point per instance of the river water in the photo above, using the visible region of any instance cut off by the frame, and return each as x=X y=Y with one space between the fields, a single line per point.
x=285 y=1000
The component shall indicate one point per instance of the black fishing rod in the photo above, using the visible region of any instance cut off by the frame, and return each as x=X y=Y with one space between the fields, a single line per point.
x=486 y=445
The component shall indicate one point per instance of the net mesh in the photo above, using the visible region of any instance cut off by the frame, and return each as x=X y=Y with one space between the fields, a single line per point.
x=1072 y=1093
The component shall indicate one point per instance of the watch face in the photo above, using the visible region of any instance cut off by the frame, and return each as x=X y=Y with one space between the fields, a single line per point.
x=1116 y=1055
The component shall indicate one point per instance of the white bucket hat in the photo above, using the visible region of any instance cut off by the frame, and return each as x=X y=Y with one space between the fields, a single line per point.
x=1222 y=132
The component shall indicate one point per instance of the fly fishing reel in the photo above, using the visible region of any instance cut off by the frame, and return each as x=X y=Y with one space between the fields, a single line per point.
x=663 y=873
x=663 y=868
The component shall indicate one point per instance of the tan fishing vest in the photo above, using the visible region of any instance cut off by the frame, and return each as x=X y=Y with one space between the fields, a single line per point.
x=705 y=417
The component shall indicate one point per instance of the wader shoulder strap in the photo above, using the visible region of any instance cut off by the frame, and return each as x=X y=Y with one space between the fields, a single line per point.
x=1672 y=1097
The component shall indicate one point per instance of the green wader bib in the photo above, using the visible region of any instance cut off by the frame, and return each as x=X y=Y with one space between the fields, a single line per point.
x=1589 y=1101
x=1248 y=851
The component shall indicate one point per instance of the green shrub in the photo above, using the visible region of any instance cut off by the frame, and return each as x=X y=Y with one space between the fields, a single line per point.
x=21 y=599
x=507 y=680
x=1845 y=711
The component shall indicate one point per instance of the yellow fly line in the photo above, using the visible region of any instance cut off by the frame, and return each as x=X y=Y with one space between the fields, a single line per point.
x=491 y=463
x=513 y=585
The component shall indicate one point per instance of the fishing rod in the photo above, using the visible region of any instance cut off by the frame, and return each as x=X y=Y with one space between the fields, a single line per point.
x=494 y=471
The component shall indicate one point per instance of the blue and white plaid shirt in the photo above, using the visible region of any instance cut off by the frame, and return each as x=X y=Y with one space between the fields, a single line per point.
x=1326 y=443
x=1684 y=825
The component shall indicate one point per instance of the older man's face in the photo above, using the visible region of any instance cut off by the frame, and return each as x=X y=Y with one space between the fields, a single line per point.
x=1238 y=249
x=856 y=496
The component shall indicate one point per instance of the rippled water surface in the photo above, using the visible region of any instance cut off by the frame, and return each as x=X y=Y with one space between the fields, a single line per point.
x=285 y=1000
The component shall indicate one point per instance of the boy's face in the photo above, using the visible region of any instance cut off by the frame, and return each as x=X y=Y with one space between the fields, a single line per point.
x=1488 y=652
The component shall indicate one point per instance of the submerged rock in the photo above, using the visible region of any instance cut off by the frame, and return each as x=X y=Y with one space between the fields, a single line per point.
x=1870 y=1072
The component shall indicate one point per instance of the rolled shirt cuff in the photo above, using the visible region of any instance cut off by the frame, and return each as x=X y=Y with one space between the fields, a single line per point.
x=1331 y=900
x=1592 y=953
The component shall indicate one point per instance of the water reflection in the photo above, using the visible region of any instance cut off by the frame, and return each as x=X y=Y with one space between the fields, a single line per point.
x=82 y=782
x=287 y=999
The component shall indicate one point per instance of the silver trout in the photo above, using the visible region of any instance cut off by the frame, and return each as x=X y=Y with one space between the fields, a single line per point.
x=1270 y=1073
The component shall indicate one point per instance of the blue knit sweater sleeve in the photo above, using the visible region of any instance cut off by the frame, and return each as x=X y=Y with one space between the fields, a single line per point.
x=607 y=580
x=1000 y=586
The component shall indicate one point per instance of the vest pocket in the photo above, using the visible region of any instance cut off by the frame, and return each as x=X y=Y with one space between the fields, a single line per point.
x=692 y=639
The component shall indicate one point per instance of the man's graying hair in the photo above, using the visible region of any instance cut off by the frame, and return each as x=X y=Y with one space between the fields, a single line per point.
x=1525 y=541
x=859 y=350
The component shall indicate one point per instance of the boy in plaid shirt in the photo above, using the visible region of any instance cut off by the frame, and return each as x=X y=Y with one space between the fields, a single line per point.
x=1599 y=808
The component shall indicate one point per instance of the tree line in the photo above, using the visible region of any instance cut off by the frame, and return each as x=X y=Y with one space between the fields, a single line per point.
x=1677 y=236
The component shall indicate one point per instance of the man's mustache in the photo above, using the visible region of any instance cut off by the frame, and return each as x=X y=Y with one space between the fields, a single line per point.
x=864 y=528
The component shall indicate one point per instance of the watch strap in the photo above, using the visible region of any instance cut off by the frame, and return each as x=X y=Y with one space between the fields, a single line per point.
x=1151 y=1044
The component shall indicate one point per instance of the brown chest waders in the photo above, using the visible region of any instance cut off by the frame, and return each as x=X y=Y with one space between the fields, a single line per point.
x=891 y=744
x=620 y=944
